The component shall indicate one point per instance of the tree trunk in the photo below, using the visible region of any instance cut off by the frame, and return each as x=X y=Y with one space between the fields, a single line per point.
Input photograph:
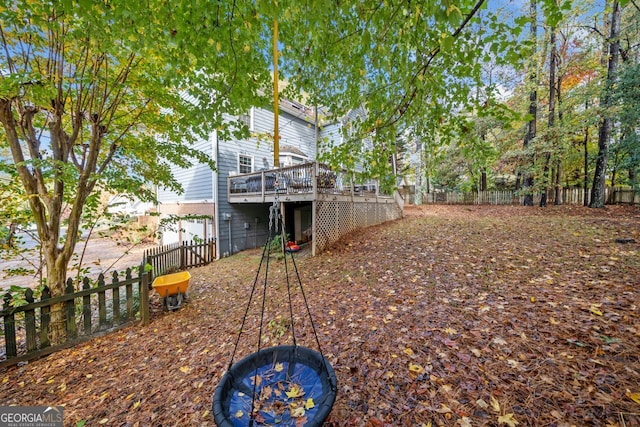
x=558 y=178
x=45 y=190
x=56 y=282
x=552 y=113
x=417 y=196
x=558 y=184
x=533 y=106
x=483 y=179
x=604 y=131
x=585 y=180
x=483 y=170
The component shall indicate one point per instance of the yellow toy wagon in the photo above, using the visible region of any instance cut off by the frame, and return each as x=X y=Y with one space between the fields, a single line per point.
x=172 y=288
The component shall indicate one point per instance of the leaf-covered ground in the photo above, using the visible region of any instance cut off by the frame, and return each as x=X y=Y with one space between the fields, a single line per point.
x=450 y=316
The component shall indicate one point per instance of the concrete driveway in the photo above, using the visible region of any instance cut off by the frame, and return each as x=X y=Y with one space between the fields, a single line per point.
x=102 y=255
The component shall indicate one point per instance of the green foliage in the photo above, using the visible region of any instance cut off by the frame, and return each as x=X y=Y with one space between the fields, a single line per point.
x=275 y=245
x=278 y=326
x=123 y=96
x=410 y=65
x=627 y=98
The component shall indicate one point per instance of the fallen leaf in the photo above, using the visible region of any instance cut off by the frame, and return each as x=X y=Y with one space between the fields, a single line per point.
x=417 y=369
x=481 y=403
x=257 y=380
x=185 y=369
x=279 y=367
x=239 y=414
x=444 y=409
x=294 y=391
x=298 y=412
x=265 y=393
x=499 y=341
x=449 y=342
x=508 y=420
x=495 y=405
x=466 y=358
x=309 y=404
x=595 y=310
x=634 y=396
x=464 y=422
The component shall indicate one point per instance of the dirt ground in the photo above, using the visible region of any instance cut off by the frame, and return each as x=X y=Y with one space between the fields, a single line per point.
x=102 y=255
x=453 y=316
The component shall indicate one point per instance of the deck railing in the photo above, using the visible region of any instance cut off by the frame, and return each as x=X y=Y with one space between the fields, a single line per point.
x=305 y=178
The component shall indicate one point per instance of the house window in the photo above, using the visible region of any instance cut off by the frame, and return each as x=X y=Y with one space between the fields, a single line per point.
x=245 y=163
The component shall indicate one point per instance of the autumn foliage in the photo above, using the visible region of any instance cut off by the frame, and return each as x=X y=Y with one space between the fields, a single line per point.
x=451 y=316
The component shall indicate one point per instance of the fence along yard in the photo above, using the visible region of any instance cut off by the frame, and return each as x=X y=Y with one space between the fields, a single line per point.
x=89 y=312
x=571 y=196
x=180 y=256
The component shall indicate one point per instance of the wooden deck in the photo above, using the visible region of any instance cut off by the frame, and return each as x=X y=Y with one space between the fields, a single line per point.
x=311 y=181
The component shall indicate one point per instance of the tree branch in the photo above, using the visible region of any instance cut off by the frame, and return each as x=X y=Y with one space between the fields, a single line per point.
x=592 y=29
x=407 y=99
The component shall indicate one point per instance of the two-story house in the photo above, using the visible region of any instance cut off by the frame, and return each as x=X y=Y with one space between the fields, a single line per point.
x=232 y=203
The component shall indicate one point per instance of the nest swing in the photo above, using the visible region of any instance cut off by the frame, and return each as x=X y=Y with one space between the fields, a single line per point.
x=287 y=385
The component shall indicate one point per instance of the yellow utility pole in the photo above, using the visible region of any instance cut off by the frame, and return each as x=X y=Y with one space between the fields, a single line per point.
x=276 y=134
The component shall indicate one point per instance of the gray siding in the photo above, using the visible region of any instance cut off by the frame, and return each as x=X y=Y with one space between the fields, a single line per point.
x=330 y=134
x=197 y=181
x=249 y=223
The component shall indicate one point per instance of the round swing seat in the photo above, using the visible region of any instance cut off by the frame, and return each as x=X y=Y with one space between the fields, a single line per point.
x=293 y=386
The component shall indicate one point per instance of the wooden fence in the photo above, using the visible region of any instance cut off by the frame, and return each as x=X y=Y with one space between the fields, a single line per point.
x=163 y=259
x=570 y=196
x=89 y=312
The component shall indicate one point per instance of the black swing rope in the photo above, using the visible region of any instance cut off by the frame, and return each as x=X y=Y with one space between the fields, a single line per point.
x=275 y=216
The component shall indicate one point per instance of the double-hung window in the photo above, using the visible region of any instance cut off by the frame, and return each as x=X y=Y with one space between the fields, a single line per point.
x=245 y=163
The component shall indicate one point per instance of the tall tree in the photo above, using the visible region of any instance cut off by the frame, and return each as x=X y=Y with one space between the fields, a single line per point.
x=557 y=181
x=533 y=104
x=407 y=62
x=604 y=129
x=552 y=110
x=108 y=96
